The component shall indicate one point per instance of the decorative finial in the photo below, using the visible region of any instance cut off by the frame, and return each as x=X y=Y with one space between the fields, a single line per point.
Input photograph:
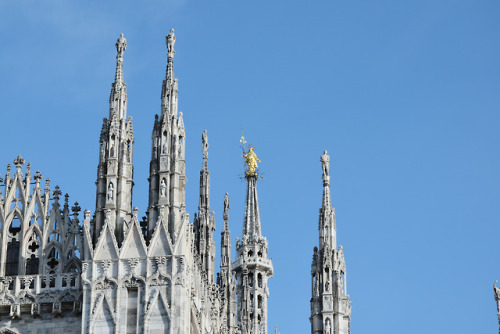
x=76 y=208
x=251 y=161
x=171 y=43
x=325 y=164
x=19 y=161
x=57 y=193
x=243 y=142
x=37 y=177
x=121 y=45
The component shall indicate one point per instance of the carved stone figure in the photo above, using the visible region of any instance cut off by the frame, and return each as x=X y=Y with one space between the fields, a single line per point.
x=328 y=327
x=251 y=161
x=110 y=191
x=226 y=206
x=163 y=188
x=325 y=164
x=171 y=42
x=121 y=45
x=204 y=141
x=496 y=291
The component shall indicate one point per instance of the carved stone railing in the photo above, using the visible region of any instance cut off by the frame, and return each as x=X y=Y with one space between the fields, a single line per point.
x=40 y=283
x=255 y=260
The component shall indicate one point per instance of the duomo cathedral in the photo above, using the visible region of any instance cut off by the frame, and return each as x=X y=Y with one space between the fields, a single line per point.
x=109 y=271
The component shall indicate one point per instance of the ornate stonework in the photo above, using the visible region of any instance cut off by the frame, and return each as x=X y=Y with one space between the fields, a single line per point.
x=330 y=304
x=113 y=273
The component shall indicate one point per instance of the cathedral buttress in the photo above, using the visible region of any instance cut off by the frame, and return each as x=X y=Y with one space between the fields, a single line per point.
x=252 y=266
x=205 y=221
x=115 y=169
x=330 y=305
x=167 y=170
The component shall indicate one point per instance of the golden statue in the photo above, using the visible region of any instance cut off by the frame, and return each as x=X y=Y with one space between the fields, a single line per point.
x=251 y=161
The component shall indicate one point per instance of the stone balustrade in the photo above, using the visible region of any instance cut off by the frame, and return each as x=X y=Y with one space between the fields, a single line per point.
x=40 y=283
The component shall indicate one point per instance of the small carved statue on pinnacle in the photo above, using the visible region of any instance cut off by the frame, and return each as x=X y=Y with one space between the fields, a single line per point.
x=204 y=142
x=171 y=42
x=325 y=163
x=226 y=206
x=251 y=161
x=497 y=295
x=121 y=45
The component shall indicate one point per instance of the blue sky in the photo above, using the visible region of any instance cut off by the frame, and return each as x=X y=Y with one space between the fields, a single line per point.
x=404 y=95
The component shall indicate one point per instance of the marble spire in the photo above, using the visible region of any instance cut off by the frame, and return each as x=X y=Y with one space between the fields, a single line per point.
x=115 y=169
x=252 y=266
x=118 y=96
x=167 y=169
x=330 y=304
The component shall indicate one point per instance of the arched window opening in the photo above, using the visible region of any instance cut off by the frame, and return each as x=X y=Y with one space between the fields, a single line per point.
x=32 y=261
x=250 y=253
x=259 y=319
x=74 y=272
x=259 y=301
x=53 y=260
x=259 y=280
x=12 y=263
x=15 y=226
x=32 y=265
x=250 y=279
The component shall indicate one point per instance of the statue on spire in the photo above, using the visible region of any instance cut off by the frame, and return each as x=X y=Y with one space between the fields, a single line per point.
x=251 y=161
x=497 y=295
x=121 y=45
x=226 y=207
x=325 y=163
x=171 y=42
x=204 y=143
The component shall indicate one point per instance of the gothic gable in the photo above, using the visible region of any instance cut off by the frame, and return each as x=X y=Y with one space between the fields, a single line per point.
x=107 y=248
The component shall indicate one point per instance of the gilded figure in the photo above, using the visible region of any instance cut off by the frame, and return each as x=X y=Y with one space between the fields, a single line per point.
x=251 y=161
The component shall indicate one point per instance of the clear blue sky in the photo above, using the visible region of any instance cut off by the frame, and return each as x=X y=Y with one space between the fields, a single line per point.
x=403 y=94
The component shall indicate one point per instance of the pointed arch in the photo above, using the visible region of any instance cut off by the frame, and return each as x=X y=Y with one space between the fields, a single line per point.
x=15 y=224
x=159 y=315
x=36 y=212
x=104 y=322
